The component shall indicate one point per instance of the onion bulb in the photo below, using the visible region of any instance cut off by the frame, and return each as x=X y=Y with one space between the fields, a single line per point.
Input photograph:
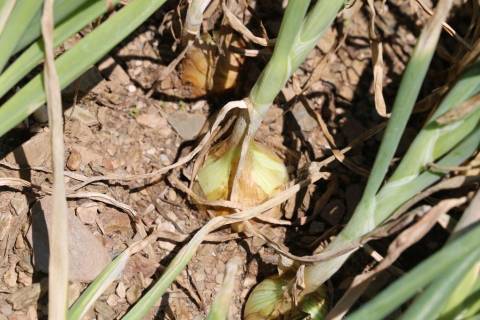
x=263 y=175
x=271 y=300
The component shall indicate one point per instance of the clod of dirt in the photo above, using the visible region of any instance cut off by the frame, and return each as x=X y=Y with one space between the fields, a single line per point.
x=87 y=255
x=152 y=120
x=82 y=115
x=187 y=125
x=74 y=160
x=87 y=212
x=84 y=155
x=111 y=222
x=34 y=152
x=104 y=310
x=24 y=297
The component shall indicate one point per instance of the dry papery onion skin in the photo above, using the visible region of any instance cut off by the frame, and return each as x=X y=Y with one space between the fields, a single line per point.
x=263 y=175
x=204 y=70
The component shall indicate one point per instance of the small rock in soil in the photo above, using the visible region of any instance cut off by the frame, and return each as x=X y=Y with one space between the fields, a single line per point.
x=34 y=152
x=24 y=297
x=120 y=290
x=104 y=310
x=133 y=293
x=112 y=300
x=87 y=212
x=155 y=121
x=74 y=160
x=187 y=125
x=87 y=254
x=113 y=71
x=82 y=115
x=112 y=221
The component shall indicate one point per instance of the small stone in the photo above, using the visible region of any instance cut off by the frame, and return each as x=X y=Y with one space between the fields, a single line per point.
x=87 y=213
x=82 y=243
x=104 y=310
x=131 y=88
x=114 y=222
x=172 y=195
x=187 y=125
x=24 y=297
x=34 y=152
x=25 y=279
x=133 y=293
x=120 y=290
x=113 y=71
x=152 y=120
x=112 y=300
x=41 y=114
x=19 y=242
x=111 y=164
x=74 y=160
x=164 y=159
x=82 y=115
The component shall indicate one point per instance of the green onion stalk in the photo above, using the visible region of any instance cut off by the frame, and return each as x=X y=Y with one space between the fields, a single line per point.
x=432 y=143
x=33 y=55
x=456 y=293
x=221 y=306
x=462 y=251
x=262 y=174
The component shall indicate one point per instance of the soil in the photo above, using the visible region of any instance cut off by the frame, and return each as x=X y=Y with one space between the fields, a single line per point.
x=120 y=119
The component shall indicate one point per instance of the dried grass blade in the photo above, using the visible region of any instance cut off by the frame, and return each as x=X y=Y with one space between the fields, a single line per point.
x=377 y=59
x=58 y=239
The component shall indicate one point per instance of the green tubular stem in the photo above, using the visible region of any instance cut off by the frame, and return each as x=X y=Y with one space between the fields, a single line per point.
x=31 y=57
x=410 y=85
x=6 y=7
x=78 y=59
x=62 y=10
x=456 y=306
x=296 y=39
x=220 y=307
x=431 y=141
x=409 y=284
x=97 y=287
x=317 y=273
x=21 y=15
x=279 y=68
x=428 y=305
x=464 y=300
